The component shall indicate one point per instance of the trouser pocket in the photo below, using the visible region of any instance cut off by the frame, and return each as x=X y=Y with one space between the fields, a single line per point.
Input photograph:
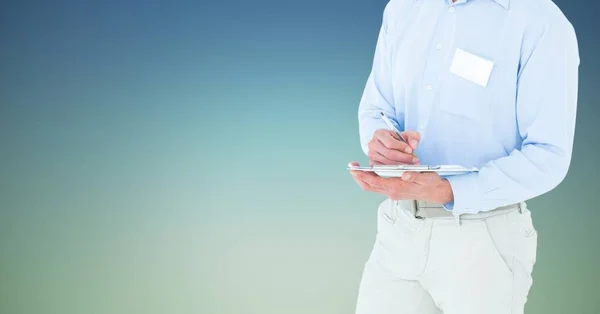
x=514 y=240
x=499 y=237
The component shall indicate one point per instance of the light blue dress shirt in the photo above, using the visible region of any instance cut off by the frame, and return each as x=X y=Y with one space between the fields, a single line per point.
x=518 y=129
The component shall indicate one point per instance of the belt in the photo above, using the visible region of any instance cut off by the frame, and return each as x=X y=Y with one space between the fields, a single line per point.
x=428 y=210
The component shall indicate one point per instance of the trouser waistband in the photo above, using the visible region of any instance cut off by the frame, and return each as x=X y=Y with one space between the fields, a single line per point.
x=428 y=210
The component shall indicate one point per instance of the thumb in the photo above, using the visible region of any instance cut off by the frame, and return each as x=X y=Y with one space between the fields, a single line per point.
x=413 y=138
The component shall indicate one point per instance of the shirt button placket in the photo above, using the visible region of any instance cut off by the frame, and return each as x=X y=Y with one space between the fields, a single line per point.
x=432 y=73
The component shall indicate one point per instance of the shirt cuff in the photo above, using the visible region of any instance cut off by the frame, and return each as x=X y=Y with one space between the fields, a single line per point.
x=449 y=206
x=467 y=194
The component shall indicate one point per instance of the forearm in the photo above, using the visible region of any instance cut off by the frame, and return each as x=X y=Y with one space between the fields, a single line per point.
x=523 y=175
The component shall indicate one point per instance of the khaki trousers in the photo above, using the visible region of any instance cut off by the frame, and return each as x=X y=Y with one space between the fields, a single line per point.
x=426 y=261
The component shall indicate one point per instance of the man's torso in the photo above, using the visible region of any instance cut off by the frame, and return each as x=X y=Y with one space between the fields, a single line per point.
x=480 y=123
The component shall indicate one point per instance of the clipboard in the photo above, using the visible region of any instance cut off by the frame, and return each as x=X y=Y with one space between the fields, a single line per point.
x=398 y=170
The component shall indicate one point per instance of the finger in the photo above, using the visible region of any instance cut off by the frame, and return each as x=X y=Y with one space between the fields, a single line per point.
x=413 y=176
x=391 y=140
x=396 y=189
x=371 y=178
x=380 y=153
x=426 y=178
x=367 y=187
x=420 y=178
x=413 y=138
x=377 y=157
x=412 y=134
x=354 y=164
x=375 y=146
x=408 y=176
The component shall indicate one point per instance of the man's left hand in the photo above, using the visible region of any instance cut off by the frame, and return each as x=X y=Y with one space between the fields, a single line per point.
x=424 y=186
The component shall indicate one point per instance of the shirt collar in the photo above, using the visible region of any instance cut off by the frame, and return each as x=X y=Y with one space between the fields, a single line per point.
x=503 y=3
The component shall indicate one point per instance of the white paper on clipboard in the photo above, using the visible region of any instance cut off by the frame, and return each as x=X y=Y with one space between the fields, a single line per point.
x=397 y=171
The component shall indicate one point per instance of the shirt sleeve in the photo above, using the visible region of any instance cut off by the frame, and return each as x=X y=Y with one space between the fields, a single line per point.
x=546 y=109
x=378 y=95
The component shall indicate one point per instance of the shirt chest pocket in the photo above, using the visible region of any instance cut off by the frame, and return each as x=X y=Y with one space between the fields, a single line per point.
x=467 y=86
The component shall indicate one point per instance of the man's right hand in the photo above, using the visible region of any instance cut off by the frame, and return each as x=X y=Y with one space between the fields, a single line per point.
x=386 y=148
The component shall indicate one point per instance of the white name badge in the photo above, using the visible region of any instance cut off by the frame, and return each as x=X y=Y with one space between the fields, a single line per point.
x=471 y=67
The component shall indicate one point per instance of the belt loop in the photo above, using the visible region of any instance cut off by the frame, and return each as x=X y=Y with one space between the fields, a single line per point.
x=520 y=208
x=415 y=206
x=457 y=219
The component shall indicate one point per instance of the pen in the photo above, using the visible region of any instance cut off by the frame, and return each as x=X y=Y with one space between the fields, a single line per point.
x=391 y=126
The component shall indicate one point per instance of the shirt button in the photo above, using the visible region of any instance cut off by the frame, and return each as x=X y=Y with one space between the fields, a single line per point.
x=428 y=87
x=451 y=9
x=438 y=46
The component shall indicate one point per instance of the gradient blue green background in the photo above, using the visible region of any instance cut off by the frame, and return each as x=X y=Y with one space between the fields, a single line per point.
x=189 y=157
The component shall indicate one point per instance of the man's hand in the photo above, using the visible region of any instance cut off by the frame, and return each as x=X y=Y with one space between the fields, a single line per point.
x=425 y=186
x=386 y=148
